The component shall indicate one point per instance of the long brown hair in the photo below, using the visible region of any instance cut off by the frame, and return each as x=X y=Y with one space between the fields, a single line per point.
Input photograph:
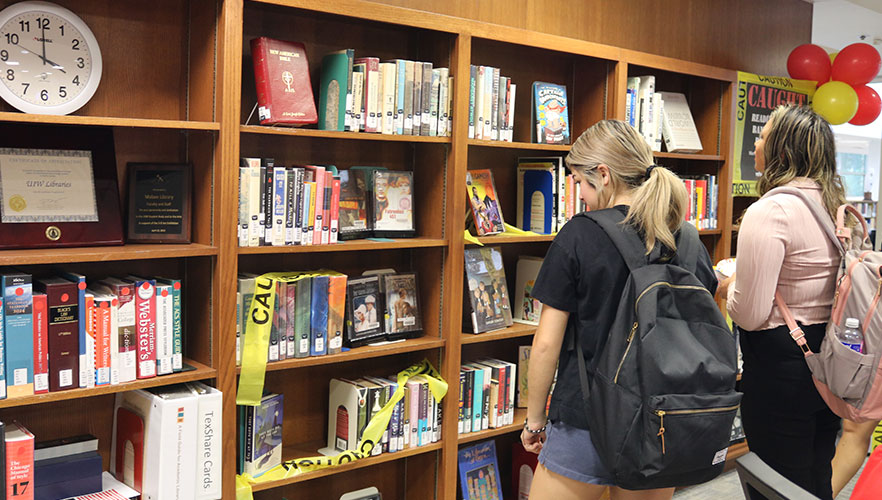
x=657 y=203
x=800 y=144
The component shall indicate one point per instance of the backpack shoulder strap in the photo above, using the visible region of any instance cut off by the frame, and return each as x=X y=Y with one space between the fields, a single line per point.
x=688 y=247
x=623 y=236
x=817 y=211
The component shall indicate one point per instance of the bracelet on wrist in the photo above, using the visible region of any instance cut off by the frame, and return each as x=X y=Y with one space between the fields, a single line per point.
x=535 y=431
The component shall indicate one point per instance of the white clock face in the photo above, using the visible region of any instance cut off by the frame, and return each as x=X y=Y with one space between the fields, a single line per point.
x=49 y=61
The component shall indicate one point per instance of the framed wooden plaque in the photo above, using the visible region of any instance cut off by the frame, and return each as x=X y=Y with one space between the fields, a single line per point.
x=159 y=201
x=58 y=187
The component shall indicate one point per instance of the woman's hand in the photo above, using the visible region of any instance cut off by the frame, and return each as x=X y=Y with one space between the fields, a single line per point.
x=723 y=287
x=532 y=442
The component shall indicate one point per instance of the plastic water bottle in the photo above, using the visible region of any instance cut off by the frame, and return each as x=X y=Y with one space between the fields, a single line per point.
x=852 y=337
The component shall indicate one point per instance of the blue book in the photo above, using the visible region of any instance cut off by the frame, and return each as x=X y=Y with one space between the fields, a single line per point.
x=80 y=280
x=67 y=476
x=479 y=472
x=319 y=316
x=18 y=329
x=536 y=197
x=478 y=401
x=551 y=123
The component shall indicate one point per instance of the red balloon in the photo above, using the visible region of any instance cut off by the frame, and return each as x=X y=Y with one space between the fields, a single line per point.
x=809 y=62
x=857 y=64
x=869 y=105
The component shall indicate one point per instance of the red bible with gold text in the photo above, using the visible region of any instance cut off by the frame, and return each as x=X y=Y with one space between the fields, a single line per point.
x=281 y=74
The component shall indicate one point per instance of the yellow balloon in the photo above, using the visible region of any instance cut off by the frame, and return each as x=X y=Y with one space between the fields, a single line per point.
x=833 y=56
x=836 y=101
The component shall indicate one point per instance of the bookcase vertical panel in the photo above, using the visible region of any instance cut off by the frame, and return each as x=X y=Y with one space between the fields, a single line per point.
x=593 y=81
x=200 y=154
x=203 y=64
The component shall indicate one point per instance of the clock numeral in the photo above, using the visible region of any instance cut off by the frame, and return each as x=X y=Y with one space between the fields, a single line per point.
x=10 y=75
x=61 y=27
x=12 y=38
x=43 y=23
x=44 y=94
x=81 y=63
x=76 y=80
x=25 y=26
x=4 y=55
x=26 y=86
x=75 y=44
x=62 y=92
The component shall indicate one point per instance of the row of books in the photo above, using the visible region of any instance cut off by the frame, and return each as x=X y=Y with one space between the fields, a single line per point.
x=167 y=441
x=67 y=331
x=661 y=117
x=399 y=96
x=486 y=395
x=415 y=421
x=316 y=205
x=702 y=195
x=320 y=312
x=491 y=104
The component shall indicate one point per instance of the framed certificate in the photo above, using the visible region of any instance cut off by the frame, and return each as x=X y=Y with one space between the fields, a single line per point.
x=58 y=187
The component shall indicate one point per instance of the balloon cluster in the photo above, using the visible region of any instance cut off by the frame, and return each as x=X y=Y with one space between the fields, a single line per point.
x=843 y=94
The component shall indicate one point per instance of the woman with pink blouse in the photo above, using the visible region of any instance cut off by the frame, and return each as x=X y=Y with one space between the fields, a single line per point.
x=781 y=247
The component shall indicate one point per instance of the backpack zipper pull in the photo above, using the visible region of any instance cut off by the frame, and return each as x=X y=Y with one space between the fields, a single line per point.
x=631 y=335
x=661 y=428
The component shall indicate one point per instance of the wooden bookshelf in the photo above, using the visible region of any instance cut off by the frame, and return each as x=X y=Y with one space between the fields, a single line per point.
x=520 y=414
x=192 y=105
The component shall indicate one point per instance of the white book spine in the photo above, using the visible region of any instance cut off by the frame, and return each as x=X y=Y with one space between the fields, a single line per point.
x=488 y=102
x=254 y=203
x=389 y=105
x=400 y=86
x=209 y=447
x=494 y=106
x=479 y=103
x=433 y=103
x=442 y=101
x=511 y=112
x=357 y=99
x=114 y=341
x=280 y=196
x=164 y=330
x=244 y=220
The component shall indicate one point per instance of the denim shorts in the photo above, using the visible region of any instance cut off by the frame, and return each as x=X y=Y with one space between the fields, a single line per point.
x=568 y=451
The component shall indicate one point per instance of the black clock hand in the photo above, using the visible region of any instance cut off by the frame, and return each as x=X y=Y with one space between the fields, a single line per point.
x=43 y=38
x=45 y=61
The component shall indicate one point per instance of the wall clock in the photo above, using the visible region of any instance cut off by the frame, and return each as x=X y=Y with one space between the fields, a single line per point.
x=50 y=62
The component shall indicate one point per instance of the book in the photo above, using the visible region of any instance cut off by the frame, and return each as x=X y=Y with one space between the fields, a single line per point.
x=487 y=293
x=363 y=301
x=302 y=316
x=336 y=68
x=479 y=472
x=484 y=202
x=281 y=74
x=393 y=204
x=209 y=444
x=127 y=337
x=678 y=127
x=165 y=335
x=145 y=325
x=403 y=319
x=526 y=308
x=19 y=462
x=550 y=115
x=41 y=349
x=263 y=435
x=72 y=445
x=68 y=476
x=336 y=311
x=536 y=194
x=319 y=316
x=370 y=66
x=18 y=331
x=177 y=322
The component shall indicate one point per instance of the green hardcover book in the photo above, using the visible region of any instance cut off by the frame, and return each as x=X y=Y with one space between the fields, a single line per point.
x=302 y=312
x=332 y=91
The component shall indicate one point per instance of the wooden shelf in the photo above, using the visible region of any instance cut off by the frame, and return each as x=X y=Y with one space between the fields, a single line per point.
x=332 y=134
x=517 y=424
x=498 y=239
x=368 y=351
x=348 y=246
x=108 y=121
x=708 y=232
x=514 y=331
x=688 y=156
x=201 y=372
x=519 y=145
x=309 y=450
x=102 y=254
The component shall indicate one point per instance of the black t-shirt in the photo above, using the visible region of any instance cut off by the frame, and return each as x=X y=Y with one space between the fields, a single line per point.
x=584 y=274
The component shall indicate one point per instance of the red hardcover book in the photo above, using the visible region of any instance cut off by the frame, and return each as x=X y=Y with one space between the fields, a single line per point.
x=62 y=297
x=41 y=349
x=284 y=91
x=126 y=326
x=103 y=331
x=19 y=463
x=145 y=325
x=335 y=209
x=326 y=207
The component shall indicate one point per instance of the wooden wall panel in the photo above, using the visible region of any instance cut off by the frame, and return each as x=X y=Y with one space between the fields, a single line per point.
x=749 y=35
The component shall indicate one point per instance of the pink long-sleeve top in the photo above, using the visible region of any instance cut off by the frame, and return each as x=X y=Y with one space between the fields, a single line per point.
x=781 y=245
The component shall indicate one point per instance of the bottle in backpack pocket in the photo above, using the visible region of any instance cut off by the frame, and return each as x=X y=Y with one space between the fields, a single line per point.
x=851 y=336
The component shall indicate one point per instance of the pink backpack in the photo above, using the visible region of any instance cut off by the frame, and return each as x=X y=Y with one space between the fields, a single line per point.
x=850 y=382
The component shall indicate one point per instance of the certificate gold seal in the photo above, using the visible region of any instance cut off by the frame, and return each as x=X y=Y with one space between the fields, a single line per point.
x=17 y=203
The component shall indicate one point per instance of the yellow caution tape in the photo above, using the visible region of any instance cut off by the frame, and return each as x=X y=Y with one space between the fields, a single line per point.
x=372 y=434
x=877 y=436
x=469 y=238
x=511 y=230
x=257 y=332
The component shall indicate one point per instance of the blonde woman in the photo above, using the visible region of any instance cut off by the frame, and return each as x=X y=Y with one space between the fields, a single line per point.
x=579 y=285
x=781 y=247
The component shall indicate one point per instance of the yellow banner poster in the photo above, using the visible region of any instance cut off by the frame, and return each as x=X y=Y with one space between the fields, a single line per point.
x=758 y=96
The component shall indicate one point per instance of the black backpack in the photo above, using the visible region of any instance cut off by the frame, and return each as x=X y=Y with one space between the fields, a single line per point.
x=662 y=395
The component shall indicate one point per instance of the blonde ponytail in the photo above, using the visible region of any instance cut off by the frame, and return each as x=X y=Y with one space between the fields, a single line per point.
x=658 y=200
